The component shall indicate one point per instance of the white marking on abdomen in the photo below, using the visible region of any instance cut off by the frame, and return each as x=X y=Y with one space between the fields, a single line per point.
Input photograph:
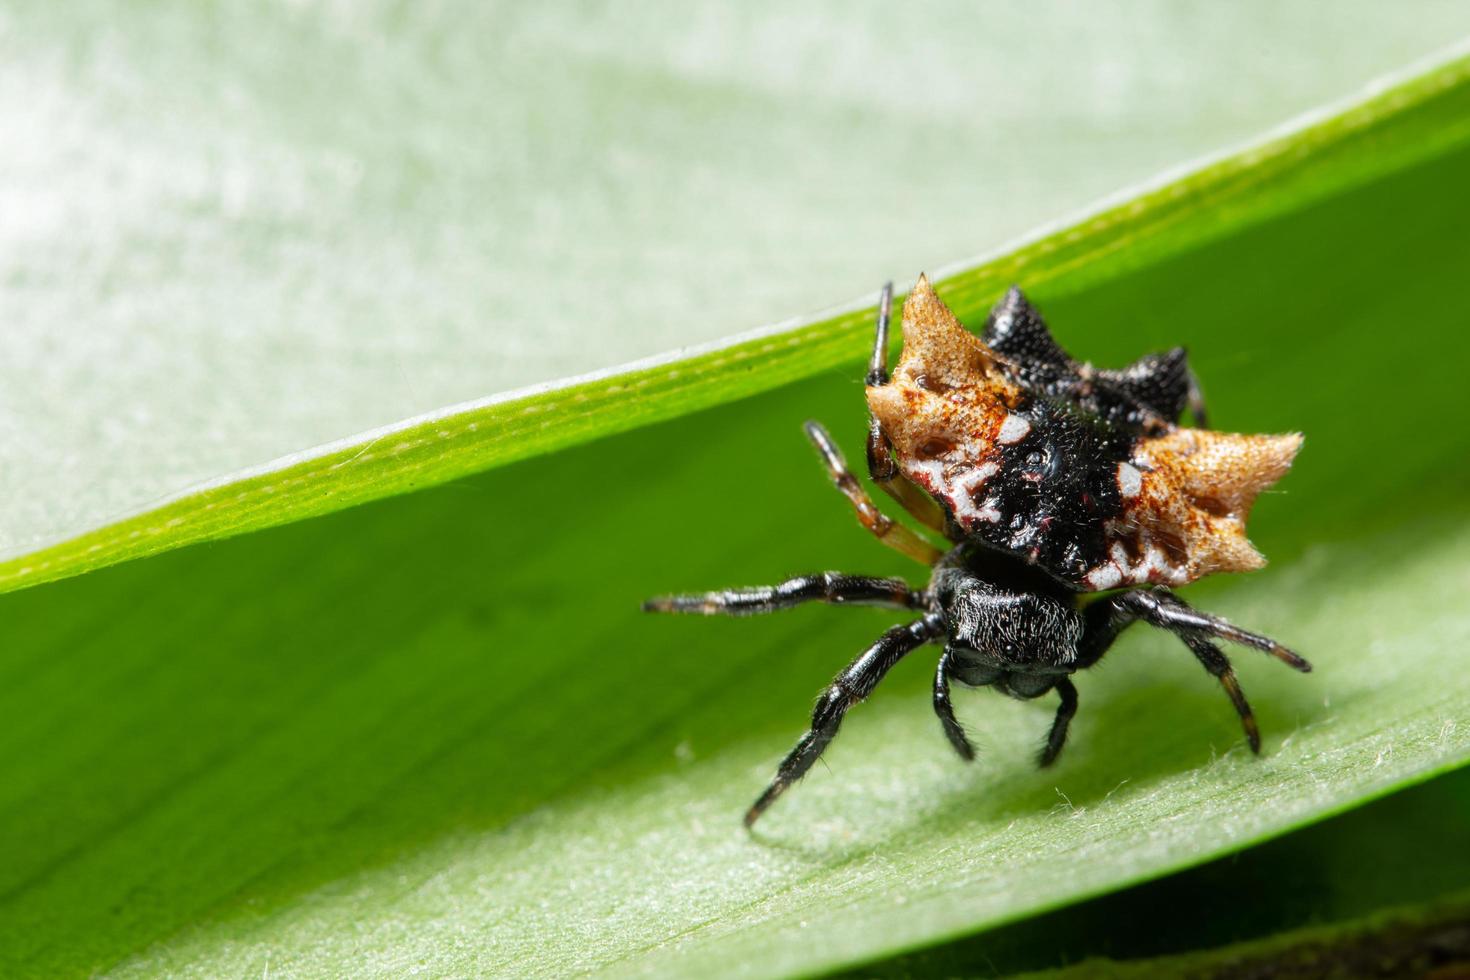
x=1130 y=481
x=1012 y=430
x=961 y=494
x=1103 y=577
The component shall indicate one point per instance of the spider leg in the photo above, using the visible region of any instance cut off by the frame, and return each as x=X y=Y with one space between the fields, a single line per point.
x=1164 y=609
x=1214 y=660
x=881 y=467
x=945 y=710
x=1057 y=737
x=1109 y=616
x=855 y=683
x=891 y=533
x=831 y=587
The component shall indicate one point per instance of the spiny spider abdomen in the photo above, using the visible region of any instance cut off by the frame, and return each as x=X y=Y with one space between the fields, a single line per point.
x=1049 y=479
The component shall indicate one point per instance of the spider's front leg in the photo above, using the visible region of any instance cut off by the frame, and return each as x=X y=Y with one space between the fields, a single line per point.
x=1162 y=608
x=854 y=684
x=1107 y=617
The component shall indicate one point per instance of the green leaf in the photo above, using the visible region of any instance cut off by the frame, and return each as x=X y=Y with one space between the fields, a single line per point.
x=434 y=733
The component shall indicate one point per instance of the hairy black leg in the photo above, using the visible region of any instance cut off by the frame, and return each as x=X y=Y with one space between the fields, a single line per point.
x=1164 y=609
x=1057 y=737
x=893 y=534
x=881 y=468
x=945 y=710
x=1105 y=618
x=832 y=587
x=1215 y=661
x=855 y=683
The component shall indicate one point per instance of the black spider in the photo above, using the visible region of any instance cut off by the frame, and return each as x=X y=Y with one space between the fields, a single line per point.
x=1050 y=479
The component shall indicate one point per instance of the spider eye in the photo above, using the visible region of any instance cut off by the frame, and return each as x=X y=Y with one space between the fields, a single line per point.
x=1041 y=463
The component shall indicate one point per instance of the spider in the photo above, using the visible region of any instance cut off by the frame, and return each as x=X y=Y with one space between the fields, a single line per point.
x=1051 y=480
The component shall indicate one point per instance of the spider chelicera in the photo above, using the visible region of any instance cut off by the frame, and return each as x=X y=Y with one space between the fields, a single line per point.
x=1051 y=480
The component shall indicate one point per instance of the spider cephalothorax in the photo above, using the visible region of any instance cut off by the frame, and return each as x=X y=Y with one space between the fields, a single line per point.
x=1050 y=479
